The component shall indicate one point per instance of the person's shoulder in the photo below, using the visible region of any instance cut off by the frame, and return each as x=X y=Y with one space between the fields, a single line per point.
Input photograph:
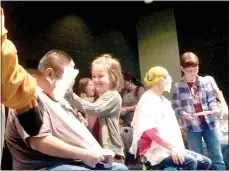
x=147 y=95
x=110 y=97
x=209 y=78
x=144 y=98
x=179 y=82
x=111 y=94
x=150 y=99
x=202 y=80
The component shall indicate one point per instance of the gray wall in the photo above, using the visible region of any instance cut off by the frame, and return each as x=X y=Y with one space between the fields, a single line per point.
x=157 y=43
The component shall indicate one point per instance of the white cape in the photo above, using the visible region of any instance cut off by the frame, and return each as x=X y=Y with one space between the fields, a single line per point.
x=155 y=111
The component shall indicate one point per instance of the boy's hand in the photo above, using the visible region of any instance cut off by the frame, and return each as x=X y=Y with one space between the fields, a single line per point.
x=189 y=117
x=91 y=159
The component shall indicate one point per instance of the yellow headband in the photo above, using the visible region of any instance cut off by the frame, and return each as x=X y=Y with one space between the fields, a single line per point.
x=154 y=75
x=3 y=29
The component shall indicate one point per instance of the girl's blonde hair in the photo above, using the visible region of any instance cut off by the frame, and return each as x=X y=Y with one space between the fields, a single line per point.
x=113 y=68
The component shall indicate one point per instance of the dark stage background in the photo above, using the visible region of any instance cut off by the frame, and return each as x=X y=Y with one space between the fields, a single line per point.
x=87 y=29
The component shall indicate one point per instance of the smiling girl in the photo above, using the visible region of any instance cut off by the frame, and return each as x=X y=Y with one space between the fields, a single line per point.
x=108 y=81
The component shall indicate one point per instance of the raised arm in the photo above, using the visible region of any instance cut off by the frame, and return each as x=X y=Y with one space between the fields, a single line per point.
x=105 y=105
x=18 y=87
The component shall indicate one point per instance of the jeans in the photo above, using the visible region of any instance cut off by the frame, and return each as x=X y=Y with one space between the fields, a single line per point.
x=192 y=161
x=71 y=165
x=211 y=140
x=224 y=148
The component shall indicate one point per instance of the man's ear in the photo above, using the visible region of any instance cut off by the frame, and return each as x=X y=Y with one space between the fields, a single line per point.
x=49 y=75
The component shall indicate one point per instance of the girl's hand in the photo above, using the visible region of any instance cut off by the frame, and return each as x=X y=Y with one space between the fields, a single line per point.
x=189 y=117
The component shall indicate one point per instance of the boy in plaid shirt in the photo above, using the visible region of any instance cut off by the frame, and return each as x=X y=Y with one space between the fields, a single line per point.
x=194 y=102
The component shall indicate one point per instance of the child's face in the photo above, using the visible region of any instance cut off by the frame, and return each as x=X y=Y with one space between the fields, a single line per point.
x=90 y=89
x=101 y=78
x=190 y=73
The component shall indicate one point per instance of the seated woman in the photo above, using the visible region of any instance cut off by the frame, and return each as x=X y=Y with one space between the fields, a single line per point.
x=131 y=93
x=156 y=134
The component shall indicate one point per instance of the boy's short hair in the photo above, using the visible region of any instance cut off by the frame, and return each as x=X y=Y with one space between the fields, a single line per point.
x=189 y=59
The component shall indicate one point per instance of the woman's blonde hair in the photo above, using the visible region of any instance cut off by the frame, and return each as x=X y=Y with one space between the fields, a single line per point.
x=113 y=68
x=154 y=75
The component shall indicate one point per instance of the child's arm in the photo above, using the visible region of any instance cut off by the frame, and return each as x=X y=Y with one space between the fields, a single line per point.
x=177 y=106
x=105 y=105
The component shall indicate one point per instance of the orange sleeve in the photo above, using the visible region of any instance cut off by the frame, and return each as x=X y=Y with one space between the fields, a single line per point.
x=18 y=87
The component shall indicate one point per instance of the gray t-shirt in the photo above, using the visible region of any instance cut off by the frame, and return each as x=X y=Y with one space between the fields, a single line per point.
x=58 y=122
x=129 y=98
x=23 y=156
